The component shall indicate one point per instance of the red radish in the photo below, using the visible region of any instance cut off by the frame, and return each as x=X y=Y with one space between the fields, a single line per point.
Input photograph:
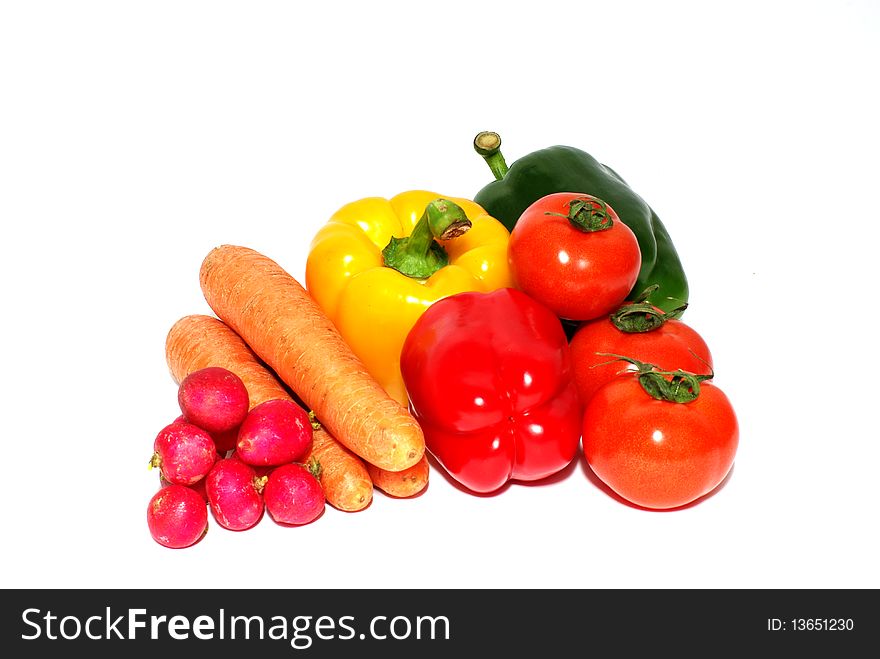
x=184 y=453
x=198 y=486
x=259 y=470
x=213 y=398
x=273 y=433
x=233 y=490
x=293 y=494
x=225 y=441
x=177 y=516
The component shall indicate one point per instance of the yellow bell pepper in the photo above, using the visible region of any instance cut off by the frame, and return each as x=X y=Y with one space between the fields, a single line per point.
x=373 y=305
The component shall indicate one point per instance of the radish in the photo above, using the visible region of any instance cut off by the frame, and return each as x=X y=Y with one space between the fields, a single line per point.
x=273 y=433
x=259 y=470
x=184 y=453
x=233 y=490
x=198 y=486
x=225 y=441
x=177 y=516
x=293 y=494
x=213 y=398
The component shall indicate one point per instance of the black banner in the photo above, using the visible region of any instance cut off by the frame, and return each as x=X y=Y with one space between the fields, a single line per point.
x=317 y=623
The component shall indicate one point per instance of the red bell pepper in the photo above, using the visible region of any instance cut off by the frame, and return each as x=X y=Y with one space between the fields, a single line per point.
x=489 y=379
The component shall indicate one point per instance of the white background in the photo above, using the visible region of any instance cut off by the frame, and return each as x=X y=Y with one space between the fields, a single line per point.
x=134 y=137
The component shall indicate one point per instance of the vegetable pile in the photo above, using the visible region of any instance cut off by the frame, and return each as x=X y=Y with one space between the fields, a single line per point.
x=496 y=336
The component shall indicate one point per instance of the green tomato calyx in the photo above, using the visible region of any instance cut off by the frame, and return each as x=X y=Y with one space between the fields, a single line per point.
x=587 y=213
x=641 y=316
x=678 y=386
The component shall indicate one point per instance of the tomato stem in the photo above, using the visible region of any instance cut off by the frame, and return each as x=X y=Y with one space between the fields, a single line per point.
x=641 y=316
x=419 y=255
x=676 y=386
x=587 y=214
x=488 y=145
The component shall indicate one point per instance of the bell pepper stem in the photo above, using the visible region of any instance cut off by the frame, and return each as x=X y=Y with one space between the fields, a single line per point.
x=488 y=145
x=419 y=255
x=445 y=219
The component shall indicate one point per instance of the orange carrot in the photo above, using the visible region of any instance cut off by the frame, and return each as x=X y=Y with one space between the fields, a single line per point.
x=198 y=341
x=401 y=484
x=286 y=328
x=350 y=488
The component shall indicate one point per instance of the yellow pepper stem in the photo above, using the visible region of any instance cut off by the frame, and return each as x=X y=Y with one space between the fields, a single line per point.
x=419 y=255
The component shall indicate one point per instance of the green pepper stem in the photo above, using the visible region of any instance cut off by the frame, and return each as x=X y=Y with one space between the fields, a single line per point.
x=488 y=145
x=419 y=255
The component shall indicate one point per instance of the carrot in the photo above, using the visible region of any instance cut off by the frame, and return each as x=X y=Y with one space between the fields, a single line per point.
x=285 y=327
x=401 y=484
x=344 y=476
x=199 y=341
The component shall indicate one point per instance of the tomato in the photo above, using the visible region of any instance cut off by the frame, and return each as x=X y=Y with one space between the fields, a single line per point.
x=639 y=330
x=659 y=454
x=572 y=252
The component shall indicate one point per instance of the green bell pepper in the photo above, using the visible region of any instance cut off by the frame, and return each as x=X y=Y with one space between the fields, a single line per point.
x=567 y=169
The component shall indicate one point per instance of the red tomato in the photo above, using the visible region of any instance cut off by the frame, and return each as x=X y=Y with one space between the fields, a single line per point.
x=671 y=344
x=579 y=273
x=657 y=453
